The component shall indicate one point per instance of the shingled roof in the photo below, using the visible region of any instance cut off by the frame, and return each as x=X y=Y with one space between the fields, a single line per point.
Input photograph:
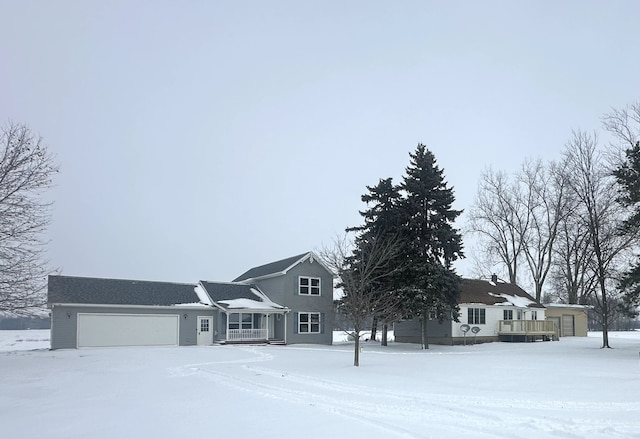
x=224 y=293
x=68 y=289
x=495 y=293
x=226 y=290
x=277 y=267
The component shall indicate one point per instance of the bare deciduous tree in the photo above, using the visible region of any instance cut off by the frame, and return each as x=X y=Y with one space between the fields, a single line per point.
x=547 y=204
x=624 y=124
x=26 y=170
x=572 y=279
x=498 y=219
x=595 y=189
x=517 y=219
x=359 y=271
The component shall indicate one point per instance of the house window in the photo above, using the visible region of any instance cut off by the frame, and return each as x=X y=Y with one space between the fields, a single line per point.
x=507 y=314
x=534 y=315
x=520 y=314
x=309 y=286
x=239 y=320
x=309 y=323
x=476 y=316
x=234 y=321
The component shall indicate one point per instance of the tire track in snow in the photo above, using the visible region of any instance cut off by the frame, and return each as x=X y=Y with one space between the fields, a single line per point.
x=491 y=403
x=331 y=404
x=546 y=416
x=251 y=383
x=189 y=369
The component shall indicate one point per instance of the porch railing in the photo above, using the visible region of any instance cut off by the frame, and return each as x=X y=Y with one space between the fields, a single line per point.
x=526 y=327
x=247 y=334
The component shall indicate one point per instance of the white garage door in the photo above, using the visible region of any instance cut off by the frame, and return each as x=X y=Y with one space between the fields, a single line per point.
x=96 y=330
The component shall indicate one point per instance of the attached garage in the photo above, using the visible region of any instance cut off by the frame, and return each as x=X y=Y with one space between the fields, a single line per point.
x=96 y=312
x=104 y=330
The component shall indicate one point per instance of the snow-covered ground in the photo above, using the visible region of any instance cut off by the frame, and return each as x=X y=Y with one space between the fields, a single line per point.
x=565 y=389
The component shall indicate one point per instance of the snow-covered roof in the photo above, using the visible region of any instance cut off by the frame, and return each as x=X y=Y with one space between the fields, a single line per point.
x=476 y=291
x=194 y=304
x=237 y=295
x=567 y=306
x=202 y=295
x=519 y=301
x=249 y=304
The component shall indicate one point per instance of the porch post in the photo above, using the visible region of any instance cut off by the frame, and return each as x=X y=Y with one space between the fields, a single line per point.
x=285 y=328
x=267 y=323
x=226 y=334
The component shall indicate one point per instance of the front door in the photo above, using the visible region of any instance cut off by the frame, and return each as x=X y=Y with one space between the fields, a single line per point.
x=205 y=331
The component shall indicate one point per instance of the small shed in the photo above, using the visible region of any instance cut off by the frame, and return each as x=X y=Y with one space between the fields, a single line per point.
x=571 y=320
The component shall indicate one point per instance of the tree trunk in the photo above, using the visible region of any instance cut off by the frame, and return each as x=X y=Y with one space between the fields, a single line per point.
x=374 y=329
x=605 y=316
x=356 y=349
x=385 y=329
x=423 y=327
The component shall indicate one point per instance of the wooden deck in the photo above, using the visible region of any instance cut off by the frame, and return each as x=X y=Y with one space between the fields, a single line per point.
x=527 y=330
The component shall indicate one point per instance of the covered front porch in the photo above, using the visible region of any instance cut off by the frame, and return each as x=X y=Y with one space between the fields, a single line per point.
x=252 y=326
x=527 y=330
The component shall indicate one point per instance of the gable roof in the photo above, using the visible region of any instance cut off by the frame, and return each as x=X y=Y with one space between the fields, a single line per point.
x=277 y=268
x=228 y=295
x=495 y=293
x=227 y=290
x=99 y=291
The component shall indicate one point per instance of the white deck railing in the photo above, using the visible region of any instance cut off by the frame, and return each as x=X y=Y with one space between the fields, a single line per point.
x=246 y=334
x=526 y=327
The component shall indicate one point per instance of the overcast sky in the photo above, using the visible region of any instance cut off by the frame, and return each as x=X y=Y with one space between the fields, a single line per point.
x=197 y=139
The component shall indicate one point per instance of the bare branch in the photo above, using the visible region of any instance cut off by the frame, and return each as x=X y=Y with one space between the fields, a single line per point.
x=360 y=271
x=26 y=170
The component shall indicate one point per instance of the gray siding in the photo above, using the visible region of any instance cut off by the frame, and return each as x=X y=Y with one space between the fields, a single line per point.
x=64 y=329
x=284 y=291
x=408 y=331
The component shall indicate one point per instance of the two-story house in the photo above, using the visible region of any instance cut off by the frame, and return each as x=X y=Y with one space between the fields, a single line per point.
x=287 y=301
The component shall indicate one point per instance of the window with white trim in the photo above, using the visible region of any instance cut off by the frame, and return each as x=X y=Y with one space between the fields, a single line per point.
x=234 y=321
x=534 y=315
x=476 y=316
x=239 y=320
x=507 y=314
x=309 y=323
x=309 y=286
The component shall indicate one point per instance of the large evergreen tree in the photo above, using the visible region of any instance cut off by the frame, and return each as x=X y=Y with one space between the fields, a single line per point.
x=628 y=177
x=417 y=217
x=381 y=223
x=431 y=242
